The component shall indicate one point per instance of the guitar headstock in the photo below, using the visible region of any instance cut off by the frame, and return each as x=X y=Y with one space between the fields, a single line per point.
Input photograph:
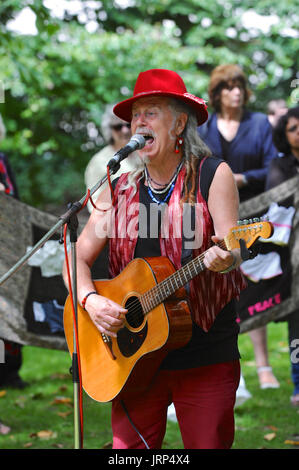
x=249 y=231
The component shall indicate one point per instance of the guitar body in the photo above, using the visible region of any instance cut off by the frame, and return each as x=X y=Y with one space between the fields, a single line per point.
x=128 y=363
x=154 y=326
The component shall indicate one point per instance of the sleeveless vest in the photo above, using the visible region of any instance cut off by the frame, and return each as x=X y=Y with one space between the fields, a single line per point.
x=209 y=291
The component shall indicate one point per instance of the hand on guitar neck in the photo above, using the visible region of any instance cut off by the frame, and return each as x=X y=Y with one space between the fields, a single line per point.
x=219 y=260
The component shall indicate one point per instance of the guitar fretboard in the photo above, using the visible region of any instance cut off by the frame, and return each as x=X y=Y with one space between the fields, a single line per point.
x=155 y=296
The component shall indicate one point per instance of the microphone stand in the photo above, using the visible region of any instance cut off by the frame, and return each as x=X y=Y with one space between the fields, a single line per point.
x=70 y=218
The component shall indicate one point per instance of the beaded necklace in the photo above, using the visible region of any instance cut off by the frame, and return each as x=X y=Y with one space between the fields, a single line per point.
x=168 y=187
x=154 y=199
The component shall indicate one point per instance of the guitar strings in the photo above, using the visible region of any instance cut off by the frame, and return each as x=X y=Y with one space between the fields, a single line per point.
x=134 y=309
x=147 y=297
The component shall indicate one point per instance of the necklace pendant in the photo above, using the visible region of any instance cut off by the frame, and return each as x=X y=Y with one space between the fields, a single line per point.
x=162 y=201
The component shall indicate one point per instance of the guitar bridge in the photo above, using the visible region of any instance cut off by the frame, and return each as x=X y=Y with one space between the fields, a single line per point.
x=108 y=344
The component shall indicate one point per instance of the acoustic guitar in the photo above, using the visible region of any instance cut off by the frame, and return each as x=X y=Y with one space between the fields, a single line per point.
x=158 y=320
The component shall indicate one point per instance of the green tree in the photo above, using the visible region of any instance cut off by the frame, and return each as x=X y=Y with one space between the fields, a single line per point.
x=58 y=81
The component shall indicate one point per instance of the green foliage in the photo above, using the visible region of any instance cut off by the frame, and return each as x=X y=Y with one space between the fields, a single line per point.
x=47 y=404
x=58 y=81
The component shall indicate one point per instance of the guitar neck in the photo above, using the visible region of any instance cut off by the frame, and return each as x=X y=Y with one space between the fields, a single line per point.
x=155 y=296
x=249 y=233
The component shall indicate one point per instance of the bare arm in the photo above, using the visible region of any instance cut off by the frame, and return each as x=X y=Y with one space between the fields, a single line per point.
x=107 y=315
x=223 y=203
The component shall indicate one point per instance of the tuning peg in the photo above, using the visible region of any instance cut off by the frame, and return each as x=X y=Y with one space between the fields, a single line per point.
x=239 y=222
x=256 y=220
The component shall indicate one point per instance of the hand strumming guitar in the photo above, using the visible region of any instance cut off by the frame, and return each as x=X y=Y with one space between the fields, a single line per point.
x=107 y=315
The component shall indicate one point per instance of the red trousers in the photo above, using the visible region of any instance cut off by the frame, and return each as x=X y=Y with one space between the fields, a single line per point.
x=204 y=400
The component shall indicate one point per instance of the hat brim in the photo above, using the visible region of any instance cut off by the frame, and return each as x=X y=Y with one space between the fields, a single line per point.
x=124 y=109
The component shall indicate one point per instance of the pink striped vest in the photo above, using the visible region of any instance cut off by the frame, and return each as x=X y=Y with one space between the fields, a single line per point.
x=209 y=291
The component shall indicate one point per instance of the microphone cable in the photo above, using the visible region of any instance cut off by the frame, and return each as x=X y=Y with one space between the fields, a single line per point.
x=88 y=196
x=74 y=323
x=133 y=425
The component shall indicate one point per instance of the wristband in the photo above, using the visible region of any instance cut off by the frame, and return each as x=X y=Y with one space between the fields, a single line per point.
x=232 y=266
x=86 y=297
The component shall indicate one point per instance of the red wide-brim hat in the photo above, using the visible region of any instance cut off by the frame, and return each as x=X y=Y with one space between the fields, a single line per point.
x=161 y=82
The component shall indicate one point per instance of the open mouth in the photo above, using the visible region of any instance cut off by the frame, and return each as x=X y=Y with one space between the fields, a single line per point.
x=149 y=139
x=148 y=135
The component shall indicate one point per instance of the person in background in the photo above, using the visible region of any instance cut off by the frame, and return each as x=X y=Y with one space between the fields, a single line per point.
x=243 y=138
x=116 y=133
x=276 y=109
x=286 y=139
x=9 y=371
x=7 y=178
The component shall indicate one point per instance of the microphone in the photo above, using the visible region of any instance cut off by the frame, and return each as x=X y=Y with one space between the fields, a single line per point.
x=137 y=141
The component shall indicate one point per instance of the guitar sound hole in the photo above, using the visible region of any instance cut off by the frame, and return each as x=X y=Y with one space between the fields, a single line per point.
x=135 y=314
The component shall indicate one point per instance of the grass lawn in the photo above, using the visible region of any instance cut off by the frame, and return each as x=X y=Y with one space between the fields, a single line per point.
x=267 y=420
x=41 y=416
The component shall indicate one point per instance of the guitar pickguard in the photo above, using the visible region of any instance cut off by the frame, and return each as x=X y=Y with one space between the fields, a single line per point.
x=130 y=341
